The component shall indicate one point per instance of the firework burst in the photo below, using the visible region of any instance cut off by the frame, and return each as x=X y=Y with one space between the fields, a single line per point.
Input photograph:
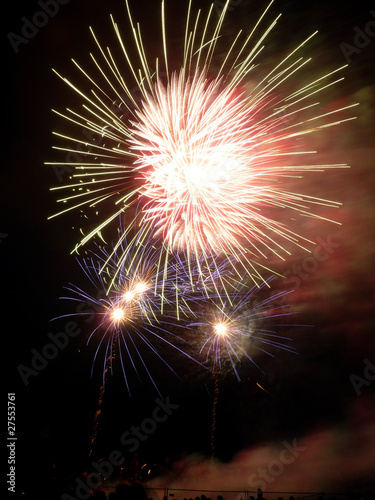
x=131 y=309
x=234 y=330
x=202 y=158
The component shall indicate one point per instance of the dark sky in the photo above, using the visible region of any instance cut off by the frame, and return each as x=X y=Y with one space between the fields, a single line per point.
x=310 y=397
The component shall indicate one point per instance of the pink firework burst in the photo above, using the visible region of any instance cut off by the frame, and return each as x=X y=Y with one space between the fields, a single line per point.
x=202 y=157
x=207 y=163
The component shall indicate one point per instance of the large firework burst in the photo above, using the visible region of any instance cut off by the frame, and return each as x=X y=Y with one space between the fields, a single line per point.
x=203 y=155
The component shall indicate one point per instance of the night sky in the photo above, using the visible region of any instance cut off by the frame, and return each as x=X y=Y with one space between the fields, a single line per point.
x=311 y=397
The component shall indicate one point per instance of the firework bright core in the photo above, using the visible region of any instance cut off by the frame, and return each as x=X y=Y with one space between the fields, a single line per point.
x=194 y=152
x=221 y=329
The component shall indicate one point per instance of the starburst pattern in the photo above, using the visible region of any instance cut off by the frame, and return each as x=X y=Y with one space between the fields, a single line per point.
x=236 y=328
x=201 y=157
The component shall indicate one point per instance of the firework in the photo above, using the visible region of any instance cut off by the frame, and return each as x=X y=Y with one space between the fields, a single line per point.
x=237 y=327
x=202 y=159
x=131 y=308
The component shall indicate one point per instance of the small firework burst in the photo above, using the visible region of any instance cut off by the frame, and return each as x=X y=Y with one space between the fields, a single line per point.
x=237 y=327
x=131 y=309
